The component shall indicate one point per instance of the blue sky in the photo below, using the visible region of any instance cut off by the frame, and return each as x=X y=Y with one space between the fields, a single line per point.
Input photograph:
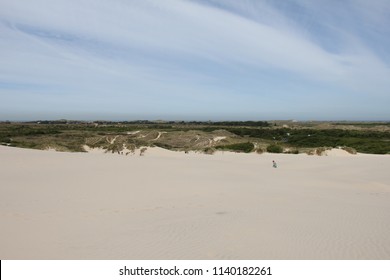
x=195 y=59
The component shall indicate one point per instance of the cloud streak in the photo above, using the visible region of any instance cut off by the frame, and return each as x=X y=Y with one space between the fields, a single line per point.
x=195 y=59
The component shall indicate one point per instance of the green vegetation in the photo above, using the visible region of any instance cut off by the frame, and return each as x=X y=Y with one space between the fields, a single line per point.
x=373 y=142
x=260 y=151
x=275 y=149
x=62 y=135
x=246 y=147
x=363 y=141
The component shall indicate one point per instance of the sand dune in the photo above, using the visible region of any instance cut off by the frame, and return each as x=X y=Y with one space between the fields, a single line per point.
x=168 y=205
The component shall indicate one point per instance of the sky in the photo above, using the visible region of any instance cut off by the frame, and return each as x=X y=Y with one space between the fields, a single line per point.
x=195 y=59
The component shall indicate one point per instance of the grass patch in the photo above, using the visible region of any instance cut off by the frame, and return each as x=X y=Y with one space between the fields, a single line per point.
x=276 y=149
x=246 y=147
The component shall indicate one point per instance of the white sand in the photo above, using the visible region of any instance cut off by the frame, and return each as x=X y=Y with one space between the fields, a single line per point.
x=167 y=205
x=337 y=152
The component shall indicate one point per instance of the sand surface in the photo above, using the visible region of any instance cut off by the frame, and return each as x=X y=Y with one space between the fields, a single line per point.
x=167 y=205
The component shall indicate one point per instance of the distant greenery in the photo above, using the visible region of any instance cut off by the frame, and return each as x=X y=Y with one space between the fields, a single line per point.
x=364 y=141
x=263 y=133
x=239 y=147
x=373 y=138
x=364 y=124
x=26 y=130
x=373 y=142
x=243 y=123
x=224 y=123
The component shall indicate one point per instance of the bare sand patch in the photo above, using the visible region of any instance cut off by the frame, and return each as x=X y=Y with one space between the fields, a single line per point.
x=338 y=153
x=173 y=205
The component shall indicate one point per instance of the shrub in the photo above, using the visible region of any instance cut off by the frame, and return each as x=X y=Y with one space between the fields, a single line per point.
x=142 y=151
x=350 y=150
x=311 y=152
x=246 y=147
x=260 y=150
x=209 y=151
x=294 y=151
x=273 y=148
x=5 y=140
x=320 y=151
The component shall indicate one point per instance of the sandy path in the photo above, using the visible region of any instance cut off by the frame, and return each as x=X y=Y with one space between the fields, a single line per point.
x=112 y=141
x=169 y=205
x=159 y=135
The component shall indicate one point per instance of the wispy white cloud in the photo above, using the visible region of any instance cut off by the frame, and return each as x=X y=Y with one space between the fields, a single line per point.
x=179 y=56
